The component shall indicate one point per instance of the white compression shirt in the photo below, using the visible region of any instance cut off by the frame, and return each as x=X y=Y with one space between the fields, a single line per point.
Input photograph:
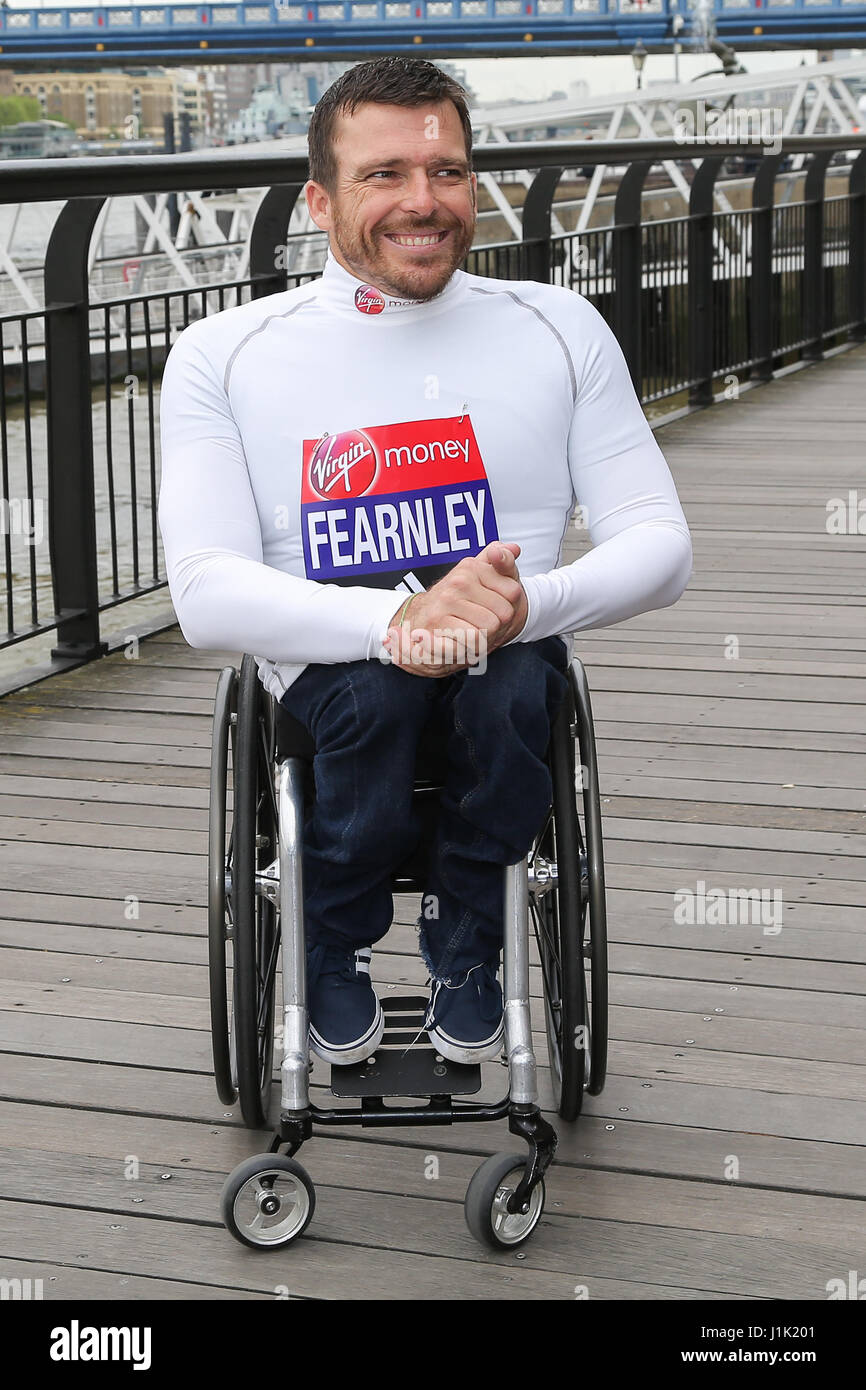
x=327 y=450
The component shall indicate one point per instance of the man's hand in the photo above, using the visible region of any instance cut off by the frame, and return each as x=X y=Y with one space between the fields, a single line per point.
x=478 y=606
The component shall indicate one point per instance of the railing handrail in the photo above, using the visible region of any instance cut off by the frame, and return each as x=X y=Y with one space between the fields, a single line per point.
x=50 y=180
x=680 y=322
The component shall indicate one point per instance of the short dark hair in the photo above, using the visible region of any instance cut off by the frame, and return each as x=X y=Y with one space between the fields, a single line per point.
x=389 y=81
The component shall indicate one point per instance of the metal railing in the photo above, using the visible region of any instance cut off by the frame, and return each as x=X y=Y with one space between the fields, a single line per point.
x=692 y=299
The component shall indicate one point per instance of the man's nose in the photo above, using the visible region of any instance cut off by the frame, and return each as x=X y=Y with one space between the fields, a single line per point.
x=419 y=195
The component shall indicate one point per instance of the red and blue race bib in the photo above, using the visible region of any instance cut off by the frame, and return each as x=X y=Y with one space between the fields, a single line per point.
x=394 y=502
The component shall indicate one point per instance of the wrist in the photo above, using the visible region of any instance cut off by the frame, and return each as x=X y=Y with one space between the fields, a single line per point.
x=400 y=617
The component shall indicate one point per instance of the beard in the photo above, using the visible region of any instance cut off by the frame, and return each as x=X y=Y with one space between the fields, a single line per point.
x=373 y=258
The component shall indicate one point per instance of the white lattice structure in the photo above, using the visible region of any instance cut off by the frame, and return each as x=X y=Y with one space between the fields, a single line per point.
x=802 y=100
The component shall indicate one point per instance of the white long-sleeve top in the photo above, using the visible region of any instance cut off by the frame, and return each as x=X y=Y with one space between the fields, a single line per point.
x=324 y=447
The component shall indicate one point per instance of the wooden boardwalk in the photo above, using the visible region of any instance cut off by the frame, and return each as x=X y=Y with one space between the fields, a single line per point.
x=723 y=1159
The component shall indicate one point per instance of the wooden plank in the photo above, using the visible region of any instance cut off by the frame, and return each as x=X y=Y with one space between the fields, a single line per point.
x=724 y=1041
x=575 y=1192
x=98 y=911
x=660 y=961
x=623 y=777
x=205 y=1254
x=188 y=1050
x=82 y=1284
x=674 y=1100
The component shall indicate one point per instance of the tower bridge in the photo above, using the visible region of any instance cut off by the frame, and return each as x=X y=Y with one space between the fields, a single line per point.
x=321 y=29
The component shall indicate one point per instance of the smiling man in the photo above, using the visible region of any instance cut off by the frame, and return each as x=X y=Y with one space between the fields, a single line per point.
x=351 y=471
x=404 y=221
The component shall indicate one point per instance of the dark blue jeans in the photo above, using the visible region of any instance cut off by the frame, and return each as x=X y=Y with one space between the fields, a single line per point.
x=366 y=719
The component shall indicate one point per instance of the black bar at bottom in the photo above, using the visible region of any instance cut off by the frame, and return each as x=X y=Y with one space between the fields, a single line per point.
x=392 y=1117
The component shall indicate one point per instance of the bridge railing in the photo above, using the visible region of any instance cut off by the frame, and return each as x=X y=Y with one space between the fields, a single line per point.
x=100 y=20
x=698 y=301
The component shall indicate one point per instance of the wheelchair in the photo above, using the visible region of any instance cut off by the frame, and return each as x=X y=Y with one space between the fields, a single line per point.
x=555 y=898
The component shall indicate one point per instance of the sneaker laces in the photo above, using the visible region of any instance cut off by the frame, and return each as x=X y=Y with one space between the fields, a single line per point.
x=437 y=985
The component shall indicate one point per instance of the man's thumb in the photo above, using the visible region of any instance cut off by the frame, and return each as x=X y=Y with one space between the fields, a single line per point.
x=500 y=552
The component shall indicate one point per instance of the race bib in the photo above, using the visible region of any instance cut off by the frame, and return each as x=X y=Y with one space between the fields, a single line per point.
x=394 y=503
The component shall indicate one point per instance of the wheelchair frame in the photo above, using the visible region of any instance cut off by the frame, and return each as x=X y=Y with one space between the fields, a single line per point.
x=255 y=900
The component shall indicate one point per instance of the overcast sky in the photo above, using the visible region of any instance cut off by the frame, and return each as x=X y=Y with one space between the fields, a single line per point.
x=495 y=79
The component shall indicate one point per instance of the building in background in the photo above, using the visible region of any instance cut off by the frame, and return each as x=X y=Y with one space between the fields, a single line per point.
x=234 y=102
x=270 y=99
x=127 y=104
x=214 y=104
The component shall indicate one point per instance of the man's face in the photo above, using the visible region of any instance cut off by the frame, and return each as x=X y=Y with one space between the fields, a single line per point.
x=402 y=213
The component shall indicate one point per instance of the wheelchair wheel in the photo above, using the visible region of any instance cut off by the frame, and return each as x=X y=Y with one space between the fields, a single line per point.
x=485 y=1209
x=268 y=1201
x=255 y=918
x=595 y=939
x=567 y=889
x=219 y=925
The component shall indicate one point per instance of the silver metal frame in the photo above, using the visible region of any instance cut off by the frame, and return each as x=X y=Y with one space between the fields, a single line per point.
x=283 y=880
x=522 y=1071
x=295 y=1069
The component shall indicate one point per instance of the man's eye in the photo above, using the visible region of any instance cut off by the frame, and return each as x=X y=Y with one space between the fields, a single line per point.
x=379 y=173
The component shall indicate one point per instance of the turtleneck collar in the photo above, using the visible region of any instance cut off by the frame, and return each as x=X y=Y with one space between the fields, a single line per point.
x=342 y=291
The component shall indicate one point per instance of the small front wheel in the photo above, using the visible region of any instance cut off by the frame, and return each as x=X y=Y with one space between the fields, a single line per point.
x=268 y=1201
x=486 y=1209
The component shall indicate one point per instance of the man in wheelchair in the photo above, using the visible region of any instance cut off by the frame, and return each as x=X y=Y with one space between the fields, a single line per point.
x=351 y=471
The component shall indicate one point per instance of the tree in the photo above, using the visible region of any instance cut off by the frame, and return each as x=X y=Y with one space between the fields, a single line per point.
x=19 y=108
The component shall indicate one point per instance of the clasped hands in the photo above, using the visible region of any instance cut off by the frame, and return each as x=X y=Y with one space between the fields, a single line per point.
x=478 y=606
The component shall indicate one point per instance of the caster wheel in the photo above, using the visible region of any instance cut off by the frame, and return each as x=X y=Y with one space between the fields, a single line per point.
x=268 y=1201
x=487 y=1215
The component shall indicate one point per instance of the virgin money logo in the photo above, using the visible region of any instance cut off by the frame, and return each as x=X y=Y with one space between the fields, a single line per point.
x=368 y=300
x=343 y=465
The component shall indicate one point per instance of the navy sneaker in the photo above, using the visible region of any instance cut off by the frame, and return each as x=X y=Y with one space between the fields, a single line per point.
x=346 y=1018
x=464 y=1020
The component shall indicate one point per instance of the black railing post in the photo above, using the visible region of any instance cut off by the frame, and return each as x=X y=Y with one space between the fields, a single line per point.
x=761 y=282
x=814 y=289
x=627 y=267
x=268 y=237
x=71 y=499
x=535 y=222
x=169 y=147
x=857 y=246
x=702 y=308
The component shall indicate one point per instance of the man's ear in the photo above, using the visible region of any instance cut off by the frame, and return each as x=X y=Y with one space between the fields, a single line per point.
x=318 y=205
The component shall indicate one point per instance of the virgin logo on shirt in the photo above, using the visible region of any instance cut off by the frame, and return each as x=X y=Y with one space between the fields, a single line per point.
x=368 y=300
x=394 y=502
x=342 y=465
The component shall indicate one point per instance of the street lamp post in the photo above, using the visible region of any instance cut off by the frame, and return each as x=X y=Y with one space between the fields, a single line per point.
x=638 y=57
x=677 y=26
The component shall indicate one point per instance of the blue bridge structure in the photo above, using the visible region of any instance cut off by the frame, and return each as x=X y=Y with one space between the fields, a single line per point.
x=85 y=35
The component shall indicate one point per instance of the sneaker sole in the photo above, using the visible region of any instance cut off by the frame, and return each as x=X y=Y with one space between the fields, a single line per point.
x=467 y=1053
x=345 y=1054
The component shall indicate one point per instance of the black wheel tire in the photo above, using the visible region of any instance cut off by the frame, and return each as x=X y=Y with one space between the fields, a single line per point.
x=558 y=920
x=256 y=934
x=219 y=862
x=256 y=1176
x=595 y=941
x=483 y=1206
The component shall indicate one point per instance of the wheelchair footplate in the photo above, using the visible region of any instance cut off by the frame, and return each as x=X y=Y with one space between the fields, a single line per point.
x=405 y=1063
